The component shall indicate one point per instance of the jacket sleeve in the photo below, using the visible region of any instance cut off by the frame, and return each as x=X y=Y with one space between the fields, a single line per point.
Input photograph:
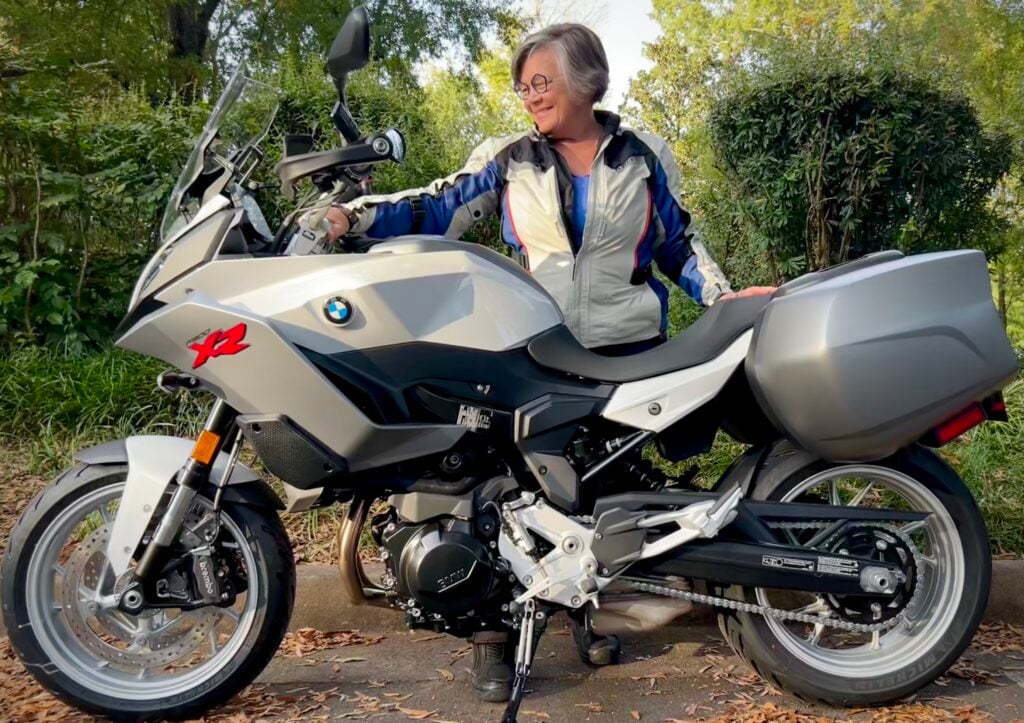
x=678 y=249
x=448 y=206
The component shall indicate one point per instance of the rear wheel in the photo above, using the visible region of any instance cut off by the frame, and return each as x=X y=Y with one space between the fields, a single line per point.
x=947 y=555
x=57 y=587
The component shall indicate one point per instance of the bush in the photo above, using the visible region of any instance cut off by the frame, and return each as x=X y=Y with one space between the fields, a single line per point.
x=83 y=178
x=831 y=161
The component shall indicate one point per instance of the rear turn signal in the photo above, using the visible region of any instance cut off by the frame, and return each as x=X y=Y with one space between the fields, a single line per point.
x=956 y=425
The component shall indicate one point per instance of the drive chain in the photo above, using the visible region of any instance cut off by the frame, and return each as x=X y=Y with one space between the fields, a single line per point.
x=789 y=615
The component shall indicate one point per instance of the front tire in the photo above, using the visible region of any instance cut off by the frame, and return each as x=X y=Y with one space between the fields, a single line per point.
x=54 y=569
x=892 y=664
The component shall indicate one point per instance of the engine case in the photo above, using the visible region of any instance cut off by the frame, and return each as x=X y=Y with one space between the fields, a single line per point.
x=441 y=566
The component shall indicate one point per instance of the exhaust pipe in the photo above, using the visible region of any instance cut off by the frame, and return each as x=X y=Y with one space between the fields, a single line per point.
x=625 y=613
x=355 y=584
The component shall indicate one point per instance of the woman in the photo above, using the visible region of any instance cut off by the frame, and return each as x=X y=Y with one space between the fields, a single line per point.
x=590 y=206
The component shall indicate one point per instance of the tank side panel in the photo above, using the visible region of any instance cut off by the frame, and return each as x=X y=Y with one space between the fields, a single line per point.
x=268 y=376
x=446 y=296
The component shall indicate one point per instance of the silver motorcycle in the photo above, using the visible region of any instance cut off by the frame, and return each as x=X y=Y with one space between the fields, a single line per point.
x=847 y=562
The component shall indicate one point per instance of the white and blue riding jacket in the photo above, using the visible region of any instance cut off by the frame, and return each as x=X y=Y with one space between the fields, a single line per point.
x=602 y=279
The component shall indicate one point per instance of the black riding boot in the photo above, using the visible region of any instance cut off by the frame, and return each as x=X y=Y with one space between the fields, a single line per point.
x=594 y=649
x=493 y=654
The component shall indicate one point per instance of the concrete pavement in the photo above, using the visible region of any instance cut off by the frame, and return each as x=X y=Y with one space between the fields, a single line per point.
x=683 y=672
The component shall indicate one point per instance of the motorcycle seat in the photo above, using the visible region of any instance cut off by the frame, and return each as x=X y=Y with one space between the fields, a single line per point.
x=700 y=342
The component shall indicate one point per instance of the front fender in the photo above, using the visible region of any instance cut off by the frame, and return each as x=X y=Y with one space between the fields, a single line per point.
x=153 y=461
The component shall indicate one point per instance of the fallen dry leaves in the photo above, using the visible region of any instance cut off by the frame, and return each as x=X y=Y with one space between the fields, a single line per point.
x=999 y=638
x=25 y=699
x=18 y=489
x=964 y=669
x=746 y=711
x=307 y=640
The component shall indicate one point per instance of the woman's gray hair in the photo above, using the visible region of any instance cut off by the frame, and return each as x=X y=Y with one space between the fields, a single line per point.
x=580 y=54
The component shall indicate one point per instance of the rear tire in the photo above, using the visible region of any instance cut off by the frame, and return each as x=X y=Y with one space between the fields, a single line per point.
x=65 y=674
x=766 y=645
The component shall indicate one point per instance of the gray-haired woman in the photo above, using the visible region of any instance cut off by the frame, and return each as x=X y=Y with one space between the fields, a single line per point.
x=590 y=206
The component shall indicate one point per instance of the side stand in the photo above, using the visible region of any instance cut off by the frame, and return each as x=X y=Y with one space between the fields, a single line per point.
x=531 y=628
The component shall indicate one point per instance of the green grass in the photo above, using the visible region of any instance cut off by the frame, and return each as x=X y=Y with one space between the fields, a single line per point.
x=52 y=404
x=990 y=458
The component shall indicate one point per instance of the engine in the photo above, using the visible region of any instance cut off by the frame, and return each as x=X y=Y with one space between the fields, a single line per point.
x=443 y=572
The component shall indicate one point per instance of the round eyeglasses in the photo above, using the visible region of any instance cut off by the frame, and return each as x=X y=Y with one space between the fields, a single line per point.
x=539 y=83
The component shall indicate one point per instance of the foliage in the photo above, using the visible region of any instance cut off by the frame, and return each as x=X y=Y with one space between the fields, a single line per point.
x=830 y=163
x=84 y=177
x=89 y=152
x=163 y=46
x=977 y=48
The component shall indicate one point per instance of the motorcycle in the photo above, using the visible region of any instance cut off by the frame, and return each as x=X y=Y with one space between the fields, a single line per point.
x=847 y=562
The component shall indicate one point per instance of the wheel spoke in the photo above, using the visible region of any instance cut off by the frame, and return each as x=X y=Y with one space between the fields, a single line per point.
x=105 y=513
x=212 y=637
x=876 y=640
x=125 y=626
x=913 y=526
x=833 y=493
x=59 y=570
x=929 y=560
x=818 y=607
x=165 y=625
x=230 y=615
x=815 y=637
x=859 y=497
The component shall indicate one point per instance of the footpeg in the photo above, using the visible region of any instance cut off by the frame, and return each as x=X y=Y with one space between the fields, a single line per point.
x=532 y=627
x=698 y=520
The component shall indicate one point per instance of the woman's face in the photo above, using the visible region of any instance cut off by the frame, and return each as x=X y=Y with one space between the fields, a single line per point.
x=555 y=108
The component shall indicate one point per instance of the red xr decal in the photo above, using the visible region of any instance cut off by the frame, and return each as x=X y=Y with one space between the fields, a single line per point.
x=219 y=343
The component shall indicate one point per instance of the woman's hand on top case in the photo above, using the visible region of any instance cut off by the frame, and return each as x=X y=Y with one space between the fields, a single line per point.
x=751 y=291
x=340 y=224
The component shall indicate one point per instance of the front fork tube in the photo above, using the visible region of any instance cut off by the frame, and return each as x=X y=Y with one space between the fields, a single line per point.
x=218 y=433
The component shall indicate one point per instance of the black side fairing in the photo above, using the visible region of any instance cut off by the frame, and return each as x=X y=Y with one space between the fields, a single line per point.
x=423 y=382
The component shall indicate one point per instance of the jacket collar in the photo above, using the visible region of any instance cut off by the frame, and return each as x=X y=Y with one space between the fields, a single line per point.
x=606 y=119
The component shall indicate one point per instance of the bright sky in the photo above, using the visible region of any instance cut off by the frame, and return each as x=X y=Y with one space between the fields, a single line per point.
x=623 y=25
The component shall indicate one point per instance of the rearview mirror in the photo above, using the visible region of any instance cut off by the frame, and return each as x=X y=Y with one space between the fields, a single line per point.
x=351 y=47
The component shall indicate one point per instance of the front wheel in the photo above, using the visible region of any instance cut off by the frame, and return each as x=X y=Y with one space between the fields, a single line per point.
x=162 y=662
x=932 y=622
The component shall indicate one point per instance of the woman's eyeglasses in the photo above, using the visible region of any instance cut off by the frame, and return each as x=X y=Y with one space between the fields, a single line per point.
x=539 y=83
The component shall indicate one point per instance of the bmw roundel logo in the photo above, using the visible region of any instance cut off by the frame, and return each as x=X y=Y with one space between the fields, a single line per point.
x=338 y=310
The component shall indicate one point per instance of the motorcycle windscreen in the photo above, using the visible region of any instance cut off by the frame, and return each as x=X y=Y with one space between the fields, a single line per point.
x=856 y=366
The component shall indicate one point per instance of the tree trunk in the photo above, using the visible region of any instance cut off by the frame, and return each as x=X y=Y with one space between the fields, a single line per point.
x=189 y=24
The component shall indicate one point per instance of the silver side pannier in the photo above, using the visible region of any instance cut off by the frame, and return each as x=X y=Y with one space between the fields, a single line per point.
x=855 y=362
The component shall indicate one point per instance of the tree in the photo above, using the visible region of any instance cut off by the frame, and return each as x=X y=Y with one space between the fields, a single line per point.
x=832 y=163
x=976 y=47
x=183 y=47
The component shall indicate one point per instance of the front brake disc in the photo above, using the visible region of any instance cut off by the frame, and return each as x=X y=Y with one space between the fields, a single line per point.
x=147 y=640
